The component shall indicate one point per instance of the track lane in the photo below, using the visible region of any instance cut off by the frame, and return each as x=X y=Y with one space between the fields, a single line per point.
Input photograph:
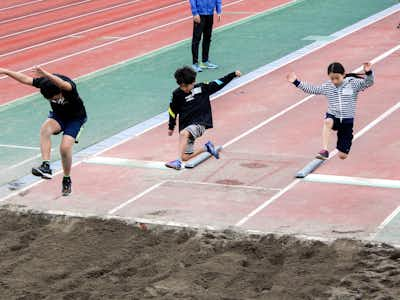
x=148 y=41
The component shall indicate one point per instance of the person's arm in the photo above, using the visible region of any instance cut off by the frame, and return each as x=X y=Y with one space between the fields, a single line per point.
x=62 y=84
x=305 y=87
x=219 y=9
x=362 y=84
x=20 y=77
x=219 y=84
x=195 y=12
x=173 y=112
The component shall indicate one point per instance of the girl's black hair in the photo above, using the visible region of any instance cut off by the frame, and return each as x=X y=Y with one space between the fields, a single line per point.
x=338 y=68
x=185 y=75
x=48 y=89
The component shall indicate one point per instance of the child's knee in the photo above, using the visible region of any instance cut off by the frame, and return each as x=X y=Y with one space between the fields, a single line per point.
x=45 y=131
x=342 y=155
x=328 y=122
x=184 y=134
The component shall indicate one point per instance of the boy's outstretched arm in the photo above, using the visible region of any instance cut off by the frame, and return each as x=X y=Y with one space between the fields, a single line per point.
x=62 y=84
x=219 y=84
x=173 y=114
x=305 y=87
x=20 y=77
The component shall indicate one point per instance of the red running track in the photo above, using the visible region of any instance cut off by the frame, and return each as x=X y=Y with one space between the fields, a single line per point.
x=266 y=160
x=150 y=33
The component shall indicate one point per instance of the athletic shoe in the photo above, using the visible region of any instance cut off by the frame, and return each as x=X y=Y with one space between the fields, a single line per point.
x=208 y=65
x=197 y=68
x=66 y=186
x=175 y=164
x=43 y=171
x=211 y=149
x=323 y=154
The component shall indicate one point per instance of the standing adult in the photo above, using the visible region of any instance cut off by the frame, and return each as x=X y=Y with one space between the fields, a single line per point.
x=203 y=20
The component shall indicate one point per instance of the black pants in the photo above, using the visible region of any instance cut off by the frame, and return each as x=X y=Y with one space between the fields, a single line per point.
x=203 y=28
x=344 y=130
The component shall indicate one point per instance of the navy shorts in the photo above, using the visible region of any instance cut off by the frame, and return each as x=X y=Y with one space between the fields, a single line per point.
x=344 y=130
x=68 y=127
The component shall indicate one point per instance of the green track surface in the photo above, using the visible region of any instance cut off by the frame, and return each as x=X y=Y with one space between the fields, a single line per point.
x=128 y=94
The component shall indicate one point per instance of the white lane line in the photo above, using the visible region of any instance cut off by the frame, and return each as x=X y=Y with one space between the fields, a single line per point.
x=347 y=180
x=80 y=33
x=19 y=147
x=43 y=12
x=115 y=161
x=156 y=121
x=21 y=4
x=389 y=219
x=68 y=19
x=296 y=181
x=246 y=187
x=137 y=197
x=127 y=37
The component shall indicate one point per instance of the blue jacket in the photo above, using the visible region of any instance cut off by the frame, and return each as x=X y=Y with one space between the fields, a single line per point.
x=205 y=7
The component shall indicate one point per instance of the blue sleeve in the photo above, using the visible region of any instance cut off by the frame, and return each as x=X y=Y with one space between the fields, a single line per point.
x=194 y=7
x=219 y=7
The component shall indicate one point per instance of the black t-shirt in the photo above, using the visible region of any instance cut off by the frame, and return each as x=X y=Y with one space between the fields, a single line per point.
x=71 y=106
x=195 y=107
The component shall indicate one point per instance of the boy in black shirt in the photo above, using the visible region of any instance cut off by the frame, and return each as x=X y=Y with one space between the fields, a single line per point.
x=68 y=116
x=191 y=102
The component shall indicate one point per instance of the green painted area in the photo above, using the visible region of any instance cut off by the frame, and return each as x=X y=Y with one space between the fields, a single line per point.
x=391 y=232
x=130 y=93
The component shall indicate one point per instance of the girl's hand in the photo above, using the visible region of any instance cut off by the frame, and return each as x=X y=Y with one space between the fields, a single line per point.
x=238 y=73
x=291 y=77
x=170 y=132
x=367 y=67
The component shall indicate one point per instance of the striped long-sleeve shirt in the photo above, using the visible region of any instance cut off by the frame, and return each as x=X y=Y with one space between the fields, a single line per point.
x=342 y=100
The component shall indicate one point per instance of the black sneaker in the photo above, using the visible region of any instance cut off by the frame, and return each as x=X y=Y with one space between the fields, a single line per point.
x=43 y=171
x=66 y=186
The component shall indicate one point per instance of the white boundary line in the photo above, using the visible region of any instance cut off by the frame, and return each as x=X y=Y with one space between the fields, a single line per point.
x=43 y=11
x=389 y=219
x=68 y=19
x=19 y=147
x=137 y=197
x=296 y=181
x=156 y=121
x=347 y=180
x=19 y=5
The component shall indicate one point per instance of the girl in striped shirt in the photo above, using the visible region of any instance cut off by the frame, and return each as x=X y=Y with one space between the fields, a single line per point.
x=342 y=91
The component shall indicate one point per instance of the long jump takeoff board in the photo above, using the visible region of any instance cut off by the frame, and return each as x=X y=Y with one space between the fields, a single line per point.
x=309 y=168
x=194 y=162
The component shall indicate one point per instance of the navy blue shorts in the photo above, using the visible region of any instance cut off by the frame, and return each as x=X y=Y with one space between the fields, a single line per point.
x=344 y=132
x=68 y=127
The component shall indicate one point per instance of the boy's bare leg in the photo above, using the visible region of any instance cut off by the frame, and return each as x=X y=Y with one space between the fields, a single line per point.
x=186 y=157
x=66 y=146
x=48 y=128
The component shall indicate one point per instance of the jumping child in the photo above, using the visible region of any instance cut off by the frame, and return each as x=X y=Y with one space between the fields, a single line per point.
x=342 y=91
x=68 y=116
x=191 y=102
